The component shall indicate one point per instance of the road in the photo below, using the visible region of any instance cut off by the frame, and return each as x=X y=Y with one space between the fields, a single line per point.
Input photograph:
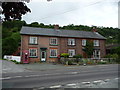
x=47 y=78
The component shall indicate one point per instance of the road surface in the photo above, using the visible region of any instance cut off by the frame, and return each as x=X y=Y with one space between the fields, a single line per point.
x=48 y=78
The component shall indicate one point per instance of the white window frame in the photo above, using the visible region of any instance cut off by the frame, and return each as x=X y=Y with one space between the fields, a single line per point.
x=71 y=41
x=71 y=52
x=53 y=41
x=33 y=40
x=83 y=42
x=53 y=52
x=96 y=42
x=96 y=54
x=32 y=54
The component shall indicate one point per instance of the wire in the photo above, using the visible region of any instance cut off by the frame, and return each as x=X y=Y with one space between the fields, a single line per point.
x=70 y=10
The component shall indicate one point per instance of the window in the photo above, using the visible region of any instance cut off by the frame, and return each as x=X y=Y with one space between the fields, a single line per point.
x=96 y=54
x=33 y=52
x=53 y=41
x=84 y=42
x=71 y=52
x=53 y=52
x=33 y=40
x=71 y=41
x=96 y=42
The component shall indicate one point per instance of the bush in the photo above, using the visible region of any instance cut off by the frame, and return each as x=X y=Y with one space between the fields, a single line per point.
x=102 y=62
x=111 y=56
x=77 y=56
x=65 y=55
x=70 y=62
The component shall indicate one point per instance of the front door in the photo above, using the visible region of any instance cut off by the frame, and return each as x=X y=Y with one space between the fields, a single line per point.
x=43 y=56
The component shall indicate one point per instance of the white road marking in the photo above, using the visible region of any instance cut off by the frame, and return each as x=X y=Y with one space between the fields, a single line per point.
x=106 y=80
x=27 y=76
x=72 y=84
x=17 y=76
x=57 y=86
x=85 y=82
x=116 y=78
x=98 y=81
x=5 y=78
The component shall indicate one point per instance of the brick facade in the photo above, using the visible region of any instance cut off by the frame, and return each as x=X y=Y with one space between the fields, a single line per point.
x=62 y=46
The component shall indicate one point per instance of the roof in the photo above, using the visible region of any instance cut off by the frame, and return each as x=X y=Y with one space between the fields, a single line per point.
x=59 y=33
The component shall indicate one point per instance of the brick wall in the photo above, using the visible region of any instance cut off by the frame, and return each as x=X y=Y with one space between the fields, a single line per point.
x=43 y=41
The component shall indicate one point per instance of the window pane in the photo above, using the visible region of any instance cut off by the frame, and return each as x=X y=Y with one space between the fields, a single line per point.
x=33 y=52
x=33 y=40
x=53 y=52
x=71 y=41
x=53 y=41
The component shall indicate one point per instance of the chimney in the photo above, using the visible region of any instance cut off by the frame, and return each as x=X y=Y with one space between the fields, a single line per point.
x=56 y=26
x=94 y=29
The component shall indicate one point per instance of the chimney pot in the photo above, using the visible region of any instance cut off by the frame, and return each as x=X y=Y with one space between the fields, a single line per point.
x=56 y=26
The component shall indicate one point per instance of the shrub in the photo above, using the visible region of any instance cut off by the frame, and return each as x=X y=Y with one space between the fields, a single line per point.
x=77 y=56
x=111 y=56
x=70 y=62
x=65 y=55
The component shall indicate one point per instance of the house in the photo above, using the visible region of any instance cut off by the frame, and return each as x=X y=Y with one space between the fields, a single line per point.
x=42 y=44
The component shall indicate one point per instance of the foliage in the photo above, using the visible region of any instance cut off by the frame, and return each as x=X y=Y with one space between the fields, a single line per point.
x=118 y=52
x=89 y=48
x=65 y=55
x=9 y=45
x=15 y=62
x=77 y=56
x=102 y=62
x=14 y=10
x=111 y=56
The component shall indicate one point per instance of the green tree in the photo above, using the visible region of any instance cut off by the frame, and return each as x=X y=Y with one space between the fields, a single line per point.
x=89 y=48
x=9 y=45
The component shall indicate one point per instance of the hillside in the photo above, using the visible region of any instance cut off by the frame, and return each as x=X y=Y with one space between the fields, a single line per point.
x=11 y=36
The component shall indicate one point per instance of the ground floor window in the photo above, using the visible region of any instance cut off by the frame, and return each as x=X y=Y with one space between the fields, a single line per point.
x=53 y=52
x=96 y=54
x=33 y=52
x=71 y=52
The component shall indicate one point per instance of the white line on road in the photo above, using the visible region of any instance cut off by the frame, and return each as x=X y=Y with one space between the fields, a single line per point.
x=5 y=78
x=116 y=78
x=17 y=76
x=72 y=84
x=98 y=81
x=85 y=82
x=57 y=86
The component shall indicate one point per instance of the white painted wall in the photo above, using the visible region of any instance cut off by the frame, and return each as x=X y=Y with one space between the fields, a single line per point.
x=9 y=57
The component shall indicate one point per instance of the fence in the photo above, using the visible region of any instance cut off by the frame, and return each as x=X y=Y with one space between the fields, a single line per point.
x=9 y=57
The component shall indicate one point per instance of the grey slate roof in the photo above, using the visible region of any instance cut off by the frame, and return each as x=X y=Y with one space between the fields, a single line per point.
x=59 y=33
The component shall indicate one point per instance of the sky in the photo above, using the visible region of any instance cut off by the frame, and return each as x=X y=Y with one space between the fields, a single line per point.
x=78 y=12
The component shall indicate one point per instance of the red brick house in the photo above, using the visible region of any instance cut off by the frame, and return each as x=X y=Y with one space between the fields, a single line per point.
x=42 y=44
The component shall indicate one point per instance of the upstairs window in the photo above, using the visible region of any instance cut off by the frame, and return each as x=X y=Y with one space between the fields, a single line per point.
x=84 y=42
x=71 y=41
x=33 y=40
x=96 y=42
x=71 y=52
x=53 y=41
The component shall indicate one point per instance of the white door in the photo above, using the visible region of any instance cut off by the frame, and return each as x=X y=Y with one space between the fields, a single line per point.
x=43 y=55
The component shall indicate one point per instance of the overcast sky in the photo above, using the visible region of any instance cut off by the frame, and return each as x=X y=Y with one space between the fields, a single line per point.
x=77 y=12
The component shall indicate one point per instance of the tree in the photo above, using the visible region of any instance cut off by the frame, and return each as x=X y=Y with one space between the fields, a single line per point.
x=9 y=45
x=89 y=48
x=14 y=10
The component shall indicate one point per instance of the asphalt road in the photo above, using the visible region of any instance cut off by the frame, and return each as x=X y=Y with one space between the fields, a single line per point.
x=47 y=78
